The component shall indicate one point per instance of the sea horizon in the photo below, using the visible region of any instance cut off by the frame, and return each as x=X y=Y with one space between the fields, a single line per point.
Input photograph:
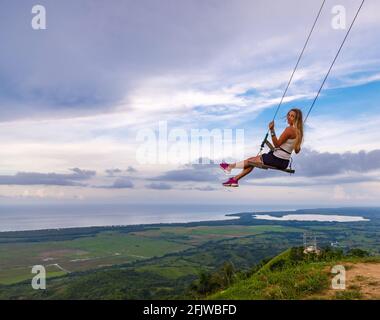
x=30 y=217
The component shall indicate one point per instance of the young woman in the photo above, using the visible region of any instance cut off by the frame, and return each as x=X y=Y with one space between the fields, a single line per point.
x=290 y=139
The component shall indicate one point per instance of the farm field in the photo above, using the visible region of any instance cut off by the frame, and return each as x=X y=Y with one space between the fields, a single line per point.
x=111 y=248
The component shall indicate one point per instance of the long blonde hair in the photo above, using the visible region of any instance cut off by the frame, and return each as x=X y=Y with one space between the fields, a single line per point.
x=298 y=125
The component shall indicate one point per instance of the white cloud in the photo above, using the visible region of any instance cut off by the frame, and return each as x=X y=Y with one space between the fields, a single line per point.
x=208 y=55
x=331 y=134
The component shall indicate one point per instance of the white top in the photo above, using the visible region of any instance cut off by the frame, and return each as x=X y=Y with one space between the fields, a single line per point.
x=288 y=145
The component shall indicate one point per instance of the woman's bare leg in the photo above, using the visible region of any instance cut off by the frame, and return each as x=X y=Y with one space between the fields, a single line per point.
x=239 y=165
x=243 y=173
x=247 y=168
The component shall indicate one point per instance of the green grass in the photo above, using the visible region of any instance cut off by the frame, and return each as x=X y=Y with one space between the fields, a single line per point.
x=23 y=274
x=170 y=272
x=106 y=248
x=278 y=280
x=291 y=283
x=229 y=230
x=112 y=247
x=351 y=294
x=281 y=278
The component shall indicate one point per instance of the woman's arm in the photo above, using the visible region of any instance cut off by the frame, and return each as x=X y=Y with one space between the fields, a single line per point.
x=287 y=134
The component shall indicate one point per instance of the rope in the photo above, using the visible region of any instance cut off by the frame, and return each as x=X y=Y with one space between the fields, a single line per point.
x=327 y=74
x=294 y=70
x=332 y=64
x=299 y=59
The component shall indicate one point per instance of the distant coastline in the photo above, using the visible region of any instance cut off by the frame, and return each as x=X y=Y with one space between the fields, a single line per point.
x=213 y=218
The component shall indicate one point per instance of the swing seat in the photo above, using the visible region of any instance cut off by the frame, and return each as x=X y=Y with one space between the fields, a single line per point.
x=265 y=167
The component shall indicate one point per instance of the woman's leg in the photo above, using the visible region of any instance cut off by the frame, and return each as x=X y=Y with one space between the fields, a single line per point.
x=243 y=173
x=239 y=165
x=247 y=168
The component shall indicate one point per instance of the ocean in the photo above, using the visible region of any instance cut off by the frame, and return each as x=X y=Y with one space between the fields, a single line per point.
x=39 y=216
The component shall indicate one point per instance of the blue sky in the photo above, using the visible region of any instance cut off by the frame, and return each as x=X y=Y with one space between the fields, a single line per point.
x=73 y=98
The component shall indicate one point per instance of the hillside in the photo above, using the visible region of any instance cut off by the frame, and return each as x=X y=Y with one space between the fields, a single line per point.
x=174 y=261
x=294 y=275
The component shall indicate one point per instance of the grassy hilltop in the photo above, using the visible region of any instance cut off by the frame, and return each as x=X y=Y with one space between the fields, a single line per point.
x=295 y=275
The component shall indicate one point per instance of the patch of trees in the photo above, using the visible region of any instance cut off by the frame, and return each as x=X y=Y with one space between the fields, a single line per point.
x=210 y=282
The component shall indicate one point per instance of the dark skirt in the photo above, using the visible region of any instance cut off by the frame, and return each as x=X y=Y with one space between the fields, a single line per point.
x=270 y=159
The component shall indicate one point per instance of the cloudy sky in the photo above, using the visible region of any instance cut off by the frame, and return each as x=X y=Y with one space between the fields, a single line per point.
x=76 y=97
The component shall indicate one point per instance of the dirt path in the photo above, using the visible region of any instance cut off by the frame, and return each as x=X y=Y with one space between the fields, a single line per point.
x=59 y=267
x=366 y=277
x=362 y=279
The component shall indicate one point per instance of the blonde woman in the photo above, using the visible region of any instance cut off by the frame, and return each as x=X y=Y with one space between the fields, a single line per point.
x=291 y=139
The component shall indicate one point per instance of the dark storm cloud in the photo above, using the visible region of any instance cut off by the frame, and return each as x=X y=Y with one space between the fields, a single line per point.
x=35 y=178
x=159 y=186
x=202 y=170
x=206 y=188
x=122 y=183
x=93 y=52
x=315 y=181
x=113 y=172
x=314 y=164
x=131 y=169
x=119 y=172
x=119 y=183
x=324 y=168
x=319 y=167
x=194 y=175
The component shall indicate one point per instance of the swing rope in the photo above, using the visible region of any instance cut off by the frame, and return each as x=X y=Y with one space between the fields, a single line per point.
x=294 y=71
x=327 y=74
x=332 y=64
x=299 y=59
